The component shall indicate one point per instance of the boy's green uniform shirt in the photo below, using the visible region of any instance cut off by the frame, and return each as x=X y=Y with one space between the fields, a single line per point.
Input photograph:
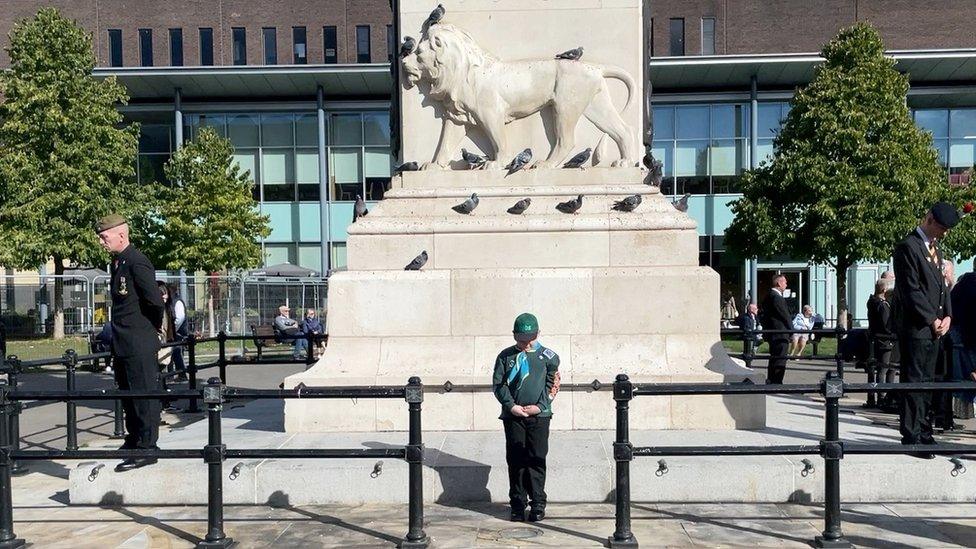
x=533 y=388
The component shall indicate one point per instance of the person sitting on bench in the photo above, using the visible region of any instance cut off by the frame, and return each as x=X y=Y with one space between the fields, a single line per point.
x=288 y=329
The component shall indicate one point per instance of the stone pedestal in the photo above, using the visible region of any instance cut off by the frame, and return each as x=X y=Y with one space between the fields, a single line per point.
x=615 y=292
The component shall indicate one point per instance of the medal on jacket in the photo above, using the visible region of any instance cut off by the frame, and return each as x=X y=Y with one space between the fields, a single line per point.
x=123 y=289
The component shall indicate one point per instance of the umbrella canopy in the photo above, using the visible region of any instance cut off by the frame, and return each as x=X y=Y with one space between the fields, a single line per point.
x=84 y=273
x=284 y=270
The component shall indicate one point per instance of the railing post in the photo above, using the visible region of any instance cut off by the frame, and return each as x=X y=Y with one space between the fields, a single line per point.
x=7 y=538
x=623 y=453
x=71 y=363
x=13 y=368
x=832 y=450
x=222 y=357
x=839 y=356
x=191 y=345
x=416 y=538
x=213 y=456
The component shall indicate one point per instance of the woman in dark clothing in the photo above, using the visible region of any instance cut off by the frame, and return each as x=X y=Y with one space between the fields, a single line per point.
x=881 y=331
x=962 y=336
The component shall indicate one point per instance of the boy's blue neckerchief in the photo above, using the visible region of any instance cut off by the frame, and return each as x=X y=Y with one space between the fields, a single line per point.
x=521 y=369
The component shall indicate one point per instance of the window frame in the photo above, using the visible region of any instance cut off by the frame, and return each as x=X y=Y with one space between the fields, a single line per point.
x=205 y=34
x=238 y=38
x=671 y=36
x=330 y=31
x=115 y=46
x=360 y=56
x=270 y=54
x=703 y=41
x=296 y=59
x=176 y=47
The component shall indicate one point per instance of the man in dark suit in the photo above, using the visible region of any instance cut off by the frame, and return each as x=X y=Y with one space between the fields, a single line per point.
x=776 y=316
x=137 y=315
x=923 y=314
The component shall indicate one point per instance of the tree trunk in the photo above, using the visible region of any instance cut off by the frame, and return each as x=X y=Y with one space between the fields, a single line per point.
x=58 y=298
x=842 y=268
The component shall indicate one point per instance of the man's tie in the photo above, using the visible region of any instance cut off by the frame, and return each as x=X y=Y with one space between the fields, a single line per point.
x=933 y=257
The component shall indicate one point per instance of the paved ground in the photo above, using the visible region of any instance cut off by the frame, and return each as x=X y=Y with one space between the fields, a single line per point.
x=43 y=518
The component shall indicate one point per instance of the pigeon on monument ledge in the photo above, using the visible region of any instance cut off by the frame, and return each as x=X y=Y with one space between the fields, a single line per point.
x=578 y=160
x=406 y=48
x=572 y=55
x=417 y=262
x=628 y=204
x=436 y=15
x=468 y=205
x=570 y=206
x=407 y=167
x=474 y=160
x=520 y=206
x=682 y=203
x=359 y=209
x=520 y=161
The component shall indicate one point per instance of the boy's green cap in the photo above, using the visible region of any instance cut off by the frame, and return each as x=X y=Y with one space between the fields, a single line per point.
x=526 y=323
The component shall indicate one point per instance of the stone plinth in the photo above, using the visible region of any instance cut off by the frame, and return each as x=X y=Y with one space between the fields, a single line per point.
x=615 y=292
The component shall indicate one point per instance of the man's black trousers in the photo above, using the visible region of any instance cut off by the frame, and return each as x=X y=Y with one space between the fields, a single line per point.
x=777 y=361
x=918 y=360
x=526 y=446
x=139 y=373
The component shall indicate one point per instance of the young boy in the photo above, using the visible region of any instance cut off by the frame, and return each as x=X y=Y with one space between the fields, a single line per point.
x=526 y=380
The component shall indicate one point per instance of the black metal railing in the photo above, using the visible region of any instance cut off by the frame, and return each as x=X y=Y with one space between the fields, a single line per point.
x=215 y=452
x=752 y=338
x=831 y=448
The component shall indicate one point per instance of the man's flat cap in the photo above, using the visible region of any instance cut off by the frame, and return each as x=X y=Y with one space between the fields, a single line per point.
x=945 y=215
x=108 y=222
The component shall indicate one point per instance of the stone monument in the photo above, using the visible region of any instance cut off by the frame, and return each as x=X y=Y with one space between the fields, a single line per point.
x=614 y=281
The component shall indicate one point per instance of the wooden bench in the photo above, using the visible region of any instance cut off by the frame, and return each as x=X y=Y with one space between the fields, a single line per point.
x=265 y=335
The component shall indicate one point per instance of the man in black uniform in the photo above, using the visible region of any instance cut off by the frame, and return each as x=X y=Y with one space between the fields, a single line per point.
x=525 y=381
x=776 y=316
x=137 y=315
x=922 y=316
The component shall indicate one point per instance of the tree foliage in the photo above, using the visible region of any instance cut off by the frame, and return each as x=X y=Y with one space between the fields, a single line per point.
x=851 y=174
x=207 y=219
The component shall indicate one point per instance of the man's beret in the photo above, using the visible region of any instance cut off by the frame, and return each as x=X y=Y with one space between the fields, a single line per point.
x=108 y=222
x=945 y=215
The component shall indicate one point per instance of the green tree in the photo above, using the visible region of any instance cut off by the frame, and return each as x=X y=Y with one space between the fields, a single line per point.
x=65 y=158
x=207 y=220
x=852 y=173
x=960 y=242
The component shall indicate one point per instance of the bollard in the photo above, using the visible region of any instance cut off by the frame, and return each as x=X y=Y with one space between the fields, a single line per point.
x=191 y=344
x=832 y=450
x=71 y=362
x=838 y=356
x=213 y=456
x=623 y=453
x=222 y=356
x=13 y=368
x=7 y=538
x=416 y=537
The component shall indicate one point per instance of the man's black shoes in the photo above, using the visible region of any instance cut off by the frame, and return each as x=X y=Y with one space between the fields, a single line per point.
x=537 y=515
x=134 y=463
x=518 y=515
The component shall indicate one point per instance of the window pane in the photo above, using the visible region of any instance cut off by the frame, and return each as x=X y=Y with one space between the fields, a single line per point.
x=277 y=130
x=664 y=151
x=247 y=160
x=730 y=121
x=935 y=121
x=310 y=257
x=275 y=254
x=338 y=255
x=677 y=37
x=377 y=162
x=278 y=166
x=942 y=145
x=331 y=45
x=347 y=129
x=376 y=128
x=307 y=130
x=215 y=121
x=270 y=45
x=176 y=47
x=151 y=168
x=362 y=44
x=242 y=129
x=769 y=119
x=765 y=150
x=962 y=123
x=708 y=36
x=240 y=45
x=728 y=158
x=146 y=47
x=307 y=166
x=206 y=46
x=691 y=122
x=346 y=173
x=115 y=47
x=663 y=122
x=299 y=46
x=154 y=138
x=691 y=167
x=961 y=153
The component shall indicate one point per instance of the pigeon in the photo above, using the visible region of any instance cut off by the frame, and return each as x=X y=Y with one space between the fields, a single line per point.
x=436 y=15
x=520 y=161
x=417 y=262
x=407 y=167
x=655 y=167
x=570 y=206
x=520 y=206
x=359 y=210
x=468 y=205
x=628 y=204
x=406 y=48
x=473 y=160
x=682 y=203
x=578 y=160
x=572 y=55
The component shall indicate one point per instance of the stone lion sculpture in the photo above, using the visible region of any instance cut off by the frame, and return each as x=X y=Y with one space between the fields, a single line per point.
x=477 y=89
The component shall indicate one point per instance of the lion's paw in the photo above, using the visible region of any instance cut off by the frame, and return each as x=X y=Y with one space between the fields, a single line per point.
x=623 y=163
